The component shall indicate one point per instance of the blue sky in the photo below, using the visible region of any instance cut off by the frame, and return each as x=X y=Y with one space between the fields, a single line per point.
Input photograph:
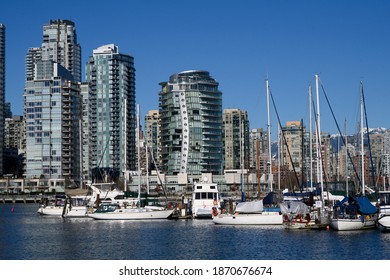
x=239 y=42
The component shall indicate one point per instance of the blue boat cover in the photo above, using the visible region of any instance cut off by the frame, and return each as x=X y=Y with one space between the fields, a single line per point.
x=365 y=206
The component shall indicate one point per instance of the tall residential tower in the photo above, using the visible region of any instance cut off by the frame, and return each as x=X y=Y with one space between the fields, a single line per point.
x=111 y=76
x=2 y=92
x=191 y=124
x=52 y=105
x=236 y=139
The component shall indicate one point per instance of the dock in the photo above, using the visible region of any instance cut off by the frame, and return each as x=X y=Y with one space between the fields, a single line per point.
x=21 y=198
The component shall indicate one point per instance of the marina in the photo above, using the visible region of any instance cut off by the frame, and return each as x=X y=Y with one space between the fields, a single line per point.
x=27 y=235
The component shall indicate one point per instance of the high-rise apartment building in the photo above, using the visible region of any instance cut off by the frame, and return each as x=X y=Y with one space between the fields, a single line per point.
x=191 y=124
x=33 y=56
x=111 y=76
x=52 y=114
x=152 y=135
x=14 y=145
x=291 y=152
x=258 y=155
x=236 y=139
x=60 y=45
x=2 y=92
x=14 y=132
x=53 y=104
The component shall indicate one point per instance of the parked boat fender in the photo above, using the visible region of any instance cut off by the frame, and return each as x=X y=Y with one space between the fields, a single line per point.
x=215 y=211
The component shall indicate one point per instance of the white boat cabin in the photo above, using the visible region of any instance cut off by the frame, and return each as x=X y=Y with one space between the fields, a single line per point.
x=205 y=196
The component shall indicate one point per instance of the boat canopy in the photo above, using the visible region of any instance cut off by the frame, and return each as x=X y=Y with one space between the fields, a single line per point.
x=294 y=207
x=362 y=203
x=250 y=206
x=365 y=206
x=271 y=198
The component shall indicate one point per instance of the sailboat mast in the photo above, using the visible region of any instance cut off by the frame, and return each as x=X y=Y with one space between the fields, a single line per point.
x=269 y=138
x=138 y=156
x=81 y=153
x=125 y=143
x=319 y=154
x=242 y=163
x=147 y=166
x=362 y=136
x=310 y=140
x=279 y=145
x=346 y=158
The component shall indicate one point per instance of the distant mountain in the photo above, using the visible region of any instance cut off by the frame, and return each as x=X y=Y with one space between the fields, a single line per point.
x=352 y=139
x=379 y=130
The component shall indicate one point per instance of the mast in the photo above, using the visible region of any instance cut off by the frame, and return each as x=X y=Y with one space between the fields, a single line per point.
x=147 y=165
x=319 y=154
x=362 y=136
x=258 y=163
x=242 y=163
x=310 y=140
x=125 y=144
x=81 y=154
x=279 y=145
x=270 y=179
x=138 y=156
x=346 y=157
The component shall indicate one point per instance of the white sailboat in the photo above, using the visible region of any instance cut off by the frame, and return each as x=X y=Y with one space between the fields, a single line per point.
x=114 y=211
x=250 y=213
x=53 y=207
x=253 y=212
x=355 y=213
x=296 y=214
x=383 y=222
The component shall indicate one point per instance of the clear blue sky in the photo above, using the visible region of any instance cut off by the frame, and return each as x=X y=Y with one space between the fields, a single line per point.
x=239 y=42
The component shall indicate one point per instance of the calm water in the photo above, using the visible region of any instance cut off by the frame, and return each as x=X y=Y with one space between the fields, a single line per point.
x=24 y=235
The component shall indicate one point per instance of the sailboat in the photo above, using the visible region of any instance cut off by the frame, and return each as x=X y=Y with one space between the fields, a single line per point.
x=114 y=211
x=383 y=222
x=297 y=214
x=253 y=212
x=52 y=207
x=355 y=213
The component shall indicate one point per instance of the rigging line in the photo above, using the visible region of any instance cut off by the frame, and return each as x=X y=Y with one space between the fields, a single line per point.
x=158 y=175
x=285 y=143
x=368 y=138
x=338 y=128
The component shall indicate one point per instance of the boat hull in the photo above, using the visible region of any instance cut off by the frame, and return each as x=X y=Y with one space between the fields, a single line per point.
x=51 y=210
x=294 y=224
x=132 y=214
x=203 y=213
x=265 y=218
x=351 y=224
x=383 y=223
x=76 y=212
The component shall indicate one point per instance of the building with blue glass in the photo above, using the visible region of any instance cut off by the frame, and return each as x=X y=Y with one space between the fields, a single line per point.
x=190 y=109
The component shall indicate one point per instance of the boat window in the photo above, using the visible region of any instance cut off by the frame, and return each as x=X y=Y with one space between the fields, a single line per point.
x=197 y=196
x=204 y=195
x=198 y=187
x=215 y=196
x=112 y=207
x=385 y=199
x=212 y=187
x=210 y=195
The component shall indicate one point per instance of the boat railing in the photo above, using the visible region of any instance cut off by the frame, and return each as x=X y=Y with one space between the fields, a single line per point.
x=384 y=209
